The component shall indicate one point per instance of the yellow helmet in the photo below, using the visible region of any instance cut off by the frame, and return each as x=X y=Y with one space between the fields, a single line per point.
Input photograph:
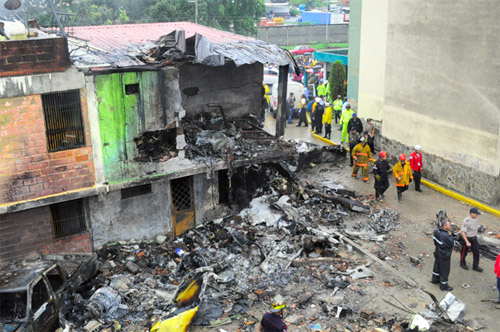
x=278 y=304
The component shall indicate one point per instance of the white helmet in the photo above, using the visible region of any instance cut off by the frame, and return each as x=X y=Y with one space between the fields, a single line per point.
x=318 y=99
x=418 y=147
x=362 y=139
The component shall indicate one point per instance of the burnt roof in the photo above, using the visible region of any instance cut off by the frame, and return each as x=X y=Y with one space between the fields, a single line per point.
x=18 y=275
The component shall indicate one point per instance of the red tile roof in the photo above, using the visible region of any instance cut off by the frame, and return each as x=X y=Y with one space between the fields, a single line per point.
x=116 y=37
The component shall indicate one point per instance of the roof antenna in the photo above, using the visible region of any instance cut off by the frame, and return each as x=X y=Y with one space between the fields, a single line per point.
x=57 y=17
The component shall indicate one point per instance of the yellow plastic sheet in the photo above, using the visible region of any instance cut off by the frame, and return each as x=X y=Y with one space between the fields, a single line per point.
x=179 y=323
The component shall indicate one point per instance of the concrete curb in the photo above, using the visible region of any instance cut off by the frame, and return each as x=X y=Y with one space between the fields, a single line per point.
x=462 y=198
x=431 y=185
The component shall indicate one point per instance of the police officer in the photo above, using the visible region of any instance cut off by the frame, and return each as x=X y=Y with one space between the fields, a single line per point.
x=468 y=240
x=380 y=170
x=444 y=242
x=272 y=321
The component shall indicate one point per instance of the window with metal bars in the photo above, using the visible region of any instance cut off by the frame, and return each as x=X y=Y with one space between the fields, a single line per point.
x=68 y=218
x=63 y=120
x=182 y=194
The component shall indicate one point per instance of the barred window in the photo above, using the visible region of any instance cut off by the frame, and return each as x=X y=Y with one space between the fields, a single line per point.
x=68 y=218
x=182 y=194
x=63 y=120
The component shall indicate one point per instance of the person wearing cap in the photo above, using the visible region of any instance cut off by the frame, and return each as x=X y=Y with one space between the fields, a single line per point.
x=361 y=155
x=327 y=121
x=273 y=321
x=381 y=168
x=416 y=165
x=354 y=128
x=370 y=134
x=337 y=107
x=468 y=240
x=344 y=121
x=403 y=176
x=444 y=243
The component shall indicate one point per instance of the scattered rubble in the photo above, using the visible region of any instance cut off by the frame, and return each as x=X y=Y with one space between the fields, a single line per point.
x=289 y=241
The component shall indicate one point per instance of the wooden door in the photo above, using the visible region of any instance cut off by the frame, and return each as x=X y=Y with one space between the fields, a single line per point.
x=182 y=204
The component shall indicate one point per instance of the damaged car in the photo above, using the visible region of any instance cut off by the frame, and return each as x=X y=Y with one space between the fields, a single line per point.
x=29 y=296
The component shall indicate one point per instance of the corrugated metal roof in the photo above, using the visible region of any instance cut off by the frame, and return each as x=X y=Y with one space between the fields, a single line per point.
x=120 y=45
x=113 y=38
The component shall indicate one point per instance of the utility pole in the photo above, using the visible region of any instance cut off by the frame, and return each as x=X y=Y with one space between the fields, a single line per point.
x=195 y=10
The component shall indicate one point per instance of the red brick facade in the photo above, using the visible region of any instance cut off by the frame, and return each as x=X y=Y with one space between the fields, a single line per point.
x=31 y=56
x=27 y=169
x=27 y=234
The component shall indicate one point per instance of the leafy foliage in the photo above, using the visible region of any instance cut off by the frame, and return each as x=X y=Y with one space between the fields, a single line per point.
x=337 y=79
x=239 y=16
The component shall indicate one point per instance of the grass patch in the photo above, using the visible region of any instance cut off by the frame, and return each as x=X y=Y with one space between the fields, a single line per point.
x=322 y=46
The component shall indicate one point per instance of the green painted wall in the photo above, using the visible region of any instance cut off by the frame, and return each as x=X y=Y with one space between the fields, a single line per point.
x=354 y=50
x=122 y=117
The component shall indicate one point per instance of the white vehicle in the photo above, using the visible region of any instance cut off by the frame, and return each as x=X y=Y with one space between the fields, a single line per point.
x=295 y=87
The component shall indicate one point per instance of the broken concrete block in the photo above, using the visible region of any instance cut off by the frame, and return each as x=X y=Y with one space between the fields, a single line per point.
x=161 y=238
x=132 y=267
x=92 y=325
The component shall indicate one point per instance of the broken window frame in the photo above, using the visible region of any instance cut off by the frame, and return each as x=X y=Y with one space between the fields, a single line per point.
x=20 y=307
x=78 y=219
x=64 y=127
x=136 y=191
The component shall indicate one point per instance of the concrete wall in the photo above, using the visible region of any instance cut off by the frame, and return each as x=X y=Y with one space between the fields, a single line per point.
x=354 y=52
x=27 y=169
x=28 y=233
x=288 y=35
x=237 y=89
x=438 y=87
x=372 y=58
x=146 y=216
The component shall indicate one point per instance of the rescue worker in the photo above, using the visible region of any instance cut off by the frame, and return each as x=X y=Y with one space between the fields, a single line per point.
x=265 y=101
x=381 y=169
x=468 y=239
x=344 y=107
x=337 y=108
x=402 y=173
x=370 y=132
x=444 y=243
x=354 y=129
x=496 y=269
x=321 y=89
x=318 y=118
x=328 y=92
x=344 y=121
x=327 y=121
x=416 y=165
x=361 y=155
x=273 y=321
x=317 y=101
x=290 y=102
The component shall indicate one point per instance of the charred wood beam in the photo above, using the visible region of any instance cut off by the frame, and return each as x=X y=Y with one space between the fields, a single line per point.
x=346 y=202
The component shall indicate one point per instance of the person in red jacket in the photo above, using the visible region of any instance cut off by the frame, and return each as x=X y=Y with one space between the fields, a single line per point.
x=497 y=272
x=416 y=165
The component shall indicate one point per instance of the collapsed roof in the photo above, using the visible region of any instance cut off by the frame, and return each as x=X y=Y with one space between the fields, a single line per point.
x=128 y=45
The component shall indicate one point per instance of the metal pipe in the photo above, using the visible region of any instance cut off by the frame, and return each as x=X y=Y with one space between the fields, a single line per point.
x=57 y=17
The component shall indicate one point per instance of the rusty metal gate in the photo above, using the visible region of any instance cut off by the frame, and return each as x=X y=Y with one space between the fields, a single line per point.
x=182 y=204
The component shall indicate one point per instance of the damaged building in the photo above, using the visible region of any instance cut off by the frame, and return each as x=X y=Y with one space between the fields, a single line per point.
x=128 y=132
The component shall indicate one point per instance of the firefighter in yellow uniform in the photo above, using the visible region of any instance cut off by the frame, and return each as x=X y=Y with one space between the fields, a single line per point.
x=361 y=154
x=403 y=176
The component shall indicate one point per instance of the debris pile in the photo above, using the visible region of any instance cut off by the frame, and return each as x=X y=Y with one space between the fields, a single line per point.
x=210 y=135
x=156 y=145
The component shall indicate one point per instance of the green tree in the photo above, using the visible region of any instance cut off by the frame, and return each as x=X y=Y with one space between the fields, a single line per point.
x=337 y=80
x=310 y=4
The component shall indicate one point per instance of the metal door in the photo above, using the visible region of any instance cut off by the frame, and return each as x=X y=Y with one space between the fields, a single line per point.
x=182 y=204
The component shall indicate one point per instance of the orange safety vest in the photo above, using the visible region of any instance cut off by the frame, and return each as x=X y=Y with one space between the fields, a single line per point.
x=361 y=154
x=404 y=173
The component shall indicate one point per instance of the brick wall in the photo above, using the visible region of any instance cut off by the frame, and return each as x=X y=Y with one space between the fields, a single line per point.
x=27 y=169
x=31 y=56
x=27 y=234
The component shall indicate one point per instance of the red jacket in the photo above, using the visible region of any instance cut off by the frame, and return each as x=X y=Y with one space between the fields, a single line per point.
x=497 y=266
x=416 y=161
